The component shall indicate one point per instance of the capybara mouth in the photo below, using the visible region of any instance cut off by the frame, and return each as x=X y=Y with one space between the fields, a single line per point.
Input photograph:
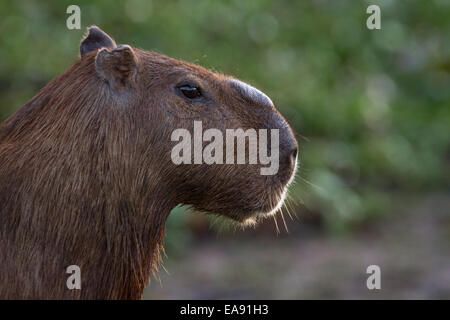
x=267 y=210
x=274 y=205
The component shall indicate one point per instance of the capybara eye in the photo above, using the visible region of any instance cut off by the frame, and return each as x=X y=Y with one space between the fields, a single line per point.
x=190 y=92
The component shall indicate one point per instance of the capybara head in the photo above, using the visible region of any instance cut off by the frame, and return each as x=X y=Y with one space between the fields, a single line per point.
x=156 y=99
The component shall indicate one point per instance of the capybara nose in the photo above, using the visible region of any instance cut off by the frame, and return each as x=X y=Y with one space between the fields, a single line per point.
x=294 y=156
x=288 y=151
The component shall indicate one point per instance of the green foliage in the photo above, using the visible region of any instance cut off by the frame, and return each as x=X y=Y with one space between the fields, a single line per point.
x=371 y=108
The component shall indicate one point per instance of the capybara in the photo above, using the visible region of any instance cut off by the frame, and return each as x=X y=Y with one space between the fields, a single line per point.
x=87 y=179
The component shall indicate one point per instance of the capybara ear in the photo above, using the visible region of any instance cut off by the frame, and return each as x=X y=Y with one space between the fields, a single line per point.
x=118 y=66
x=94 y=40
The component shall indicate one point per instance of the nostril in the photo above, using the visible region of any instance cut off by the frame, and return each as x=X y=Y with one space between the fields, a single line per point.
x=294 y=155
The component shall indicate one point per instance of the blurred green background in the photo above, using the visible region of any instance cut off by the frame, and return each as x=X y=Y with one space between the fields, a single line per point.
x=371 y=109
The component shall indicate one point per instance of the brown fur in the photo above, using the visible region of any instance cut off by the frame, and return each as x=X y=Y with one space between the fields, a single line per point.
x=86 y=176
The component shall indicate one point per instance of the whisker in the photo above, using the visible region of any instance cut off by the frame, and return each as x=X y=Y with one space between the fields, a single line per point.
x=296 y=199
x=287 y=210
x=284 y=222
x=310 y=183
x=302 y=137
x=276 y=224
x=288 y=203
